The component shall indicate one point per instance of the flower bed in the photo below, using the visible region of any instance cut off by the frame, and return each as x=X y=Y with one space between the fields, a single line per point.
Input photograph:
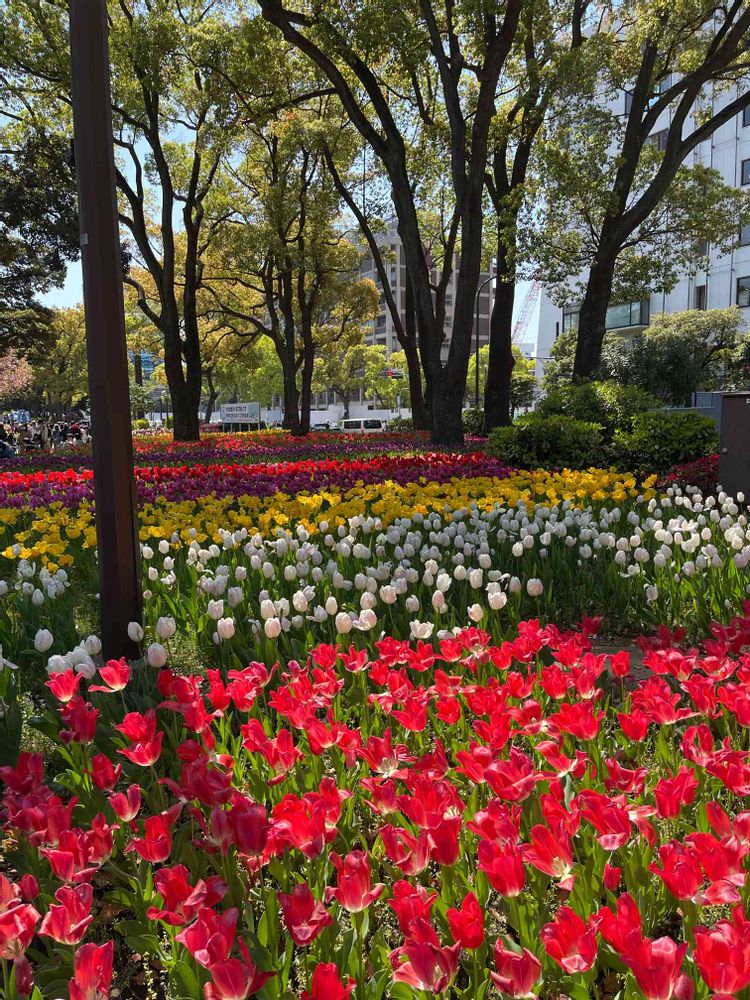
x=159 y=449
x=391 y=820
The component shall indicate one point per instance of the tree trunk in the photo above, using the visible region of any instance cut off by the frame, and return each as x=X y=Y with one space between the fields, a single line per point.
x=213 y=395
x=447 y=403
x=592 y=319
x=420 y=415
x=138 y=378
x=345 y=400
x=185 y=422
x=497 y=409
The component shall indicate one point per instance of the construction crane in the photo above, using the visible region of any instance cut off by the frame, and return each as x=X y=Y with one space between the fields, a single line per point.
x=522 y=323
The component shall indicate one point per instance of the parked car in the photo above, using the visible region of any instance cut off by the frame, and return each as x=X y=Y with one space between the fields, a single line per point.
x=364 y=425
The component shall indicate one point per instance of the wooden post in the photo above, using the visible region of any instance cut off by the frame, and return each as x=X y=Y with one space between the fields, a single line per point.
x=114 y=483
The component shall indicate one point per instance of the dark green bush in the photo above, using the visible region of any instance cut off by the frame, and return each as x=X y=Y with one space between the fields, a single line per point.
x=554 y=441
x=663 y=439
x=607 y=403
x=473 y=420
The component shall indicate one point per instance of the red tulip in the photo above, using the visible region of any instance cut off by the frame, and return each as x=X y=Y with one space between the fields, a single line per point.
x=551 y=853
x=29 y=888
x=67 y=923
x=24 y=974
x=210 y=937
x=156 y=845
x=672 y=794
x=115 y=674
x=64 y=686
x=354 y=890
x=17 y=928
x=503 y=866
x=425 y=965
x=80 y=718
x=517 y=972
x=235 y=979
x=467 y=924
x=612 y=876
x=103 y=773
x=304 y=916
x=92 y=972
x=656 y=966
x=181 y=900
x=409 y=903
x=126 y=805
x=326 y=984
x=722 y=954
x=569 y=941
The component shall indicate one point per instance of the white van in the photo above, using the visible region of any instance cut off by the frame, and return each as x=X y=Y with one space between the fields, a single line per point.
x=363 y=425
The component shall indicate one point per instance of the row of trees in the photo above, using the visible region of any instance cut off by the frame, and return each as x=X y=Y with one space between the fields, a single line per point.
x=258 y=152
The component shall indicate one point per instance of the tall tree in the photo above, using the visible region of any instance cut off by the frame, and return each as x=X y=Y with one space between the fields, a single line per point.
x=61 y=372
x=553 y=56
x=623 y=204
x=437 y=64
x=285 y=268
x=38 y=229
x=175 y=119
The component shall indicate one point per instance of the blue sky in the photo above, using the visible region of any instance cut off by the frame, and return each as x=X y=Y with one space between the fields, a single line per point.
x=71 y=293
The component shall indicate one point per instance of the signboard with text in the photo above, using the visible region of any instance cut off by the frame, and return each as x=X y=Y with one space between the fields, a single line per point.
x=240 y=413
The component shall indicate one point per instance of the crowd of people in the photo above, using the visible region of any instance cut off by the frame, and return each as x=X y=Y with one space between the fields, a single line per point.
x=43 y=434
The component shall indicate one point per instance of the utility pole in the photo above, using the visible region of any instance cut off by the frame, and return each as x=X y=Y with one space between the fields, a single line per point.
x=114 y=484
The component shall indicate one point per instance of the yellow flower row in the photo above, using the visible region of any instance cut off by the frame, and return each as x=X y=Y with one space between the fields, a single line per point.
x=55 y=534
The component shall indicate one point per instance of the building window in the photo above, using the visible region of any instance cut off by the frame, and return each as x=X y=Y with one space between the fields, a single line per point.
x=659 y=139
x=745 y=235
x=628 y=102
x=745 y=172
x=746 y=116
x=700 y=297
x=665 y=83
x=743 y=292
x=628 y=314
x=570 y=318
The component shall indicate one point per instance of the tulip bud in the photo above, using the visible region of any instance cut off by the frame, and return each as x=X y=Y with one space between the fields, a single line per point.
x=156 y=655
x=135 y=632
x=225 y=628
x=43 y=640
x=166 y=628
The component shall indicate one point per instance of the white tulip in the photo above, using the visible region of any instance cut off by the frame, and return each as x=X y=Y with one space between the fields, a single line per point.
x=215 y=610
x=421 y=630
x=534 y=587
x=57 y=665
x=272 y=628
x=43 y=640
x=166 y=628
x=476 y=612
x=225 y=628
x=343 y=623
x=331 y=605
x=135 y=632
x=156 y=655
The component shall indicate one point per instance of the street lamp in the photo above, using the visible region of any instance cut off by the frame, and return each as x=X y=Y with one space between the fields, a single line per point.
x=101 y=259
x=476 y=334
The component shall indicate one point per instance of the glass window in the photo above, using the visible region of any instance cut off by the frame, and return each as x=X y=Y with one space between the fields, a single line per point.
x=659 y=139
x=628 y=102
x=665 y=83
x=373 y=425
x=745 y=172
x=746 y=116
x=570 y=318
x=745 y=235
x=743 y=291
x=700 y=297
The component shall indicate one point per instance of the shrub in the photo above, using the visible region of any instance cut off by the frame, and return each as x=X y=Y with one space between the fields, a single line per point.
x=661 y=440
x=140 y=425
x=473 y=421
x=552 y=441
x=400 y=424
x=607 y=403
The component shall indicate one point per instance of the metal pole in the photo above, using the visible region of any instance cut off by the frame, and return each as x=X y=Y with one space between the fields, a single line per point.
x=114 y=485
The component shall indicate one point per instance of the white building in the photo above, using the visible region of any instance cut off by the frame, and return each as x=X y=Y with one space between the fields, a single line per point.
x=725 y=280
